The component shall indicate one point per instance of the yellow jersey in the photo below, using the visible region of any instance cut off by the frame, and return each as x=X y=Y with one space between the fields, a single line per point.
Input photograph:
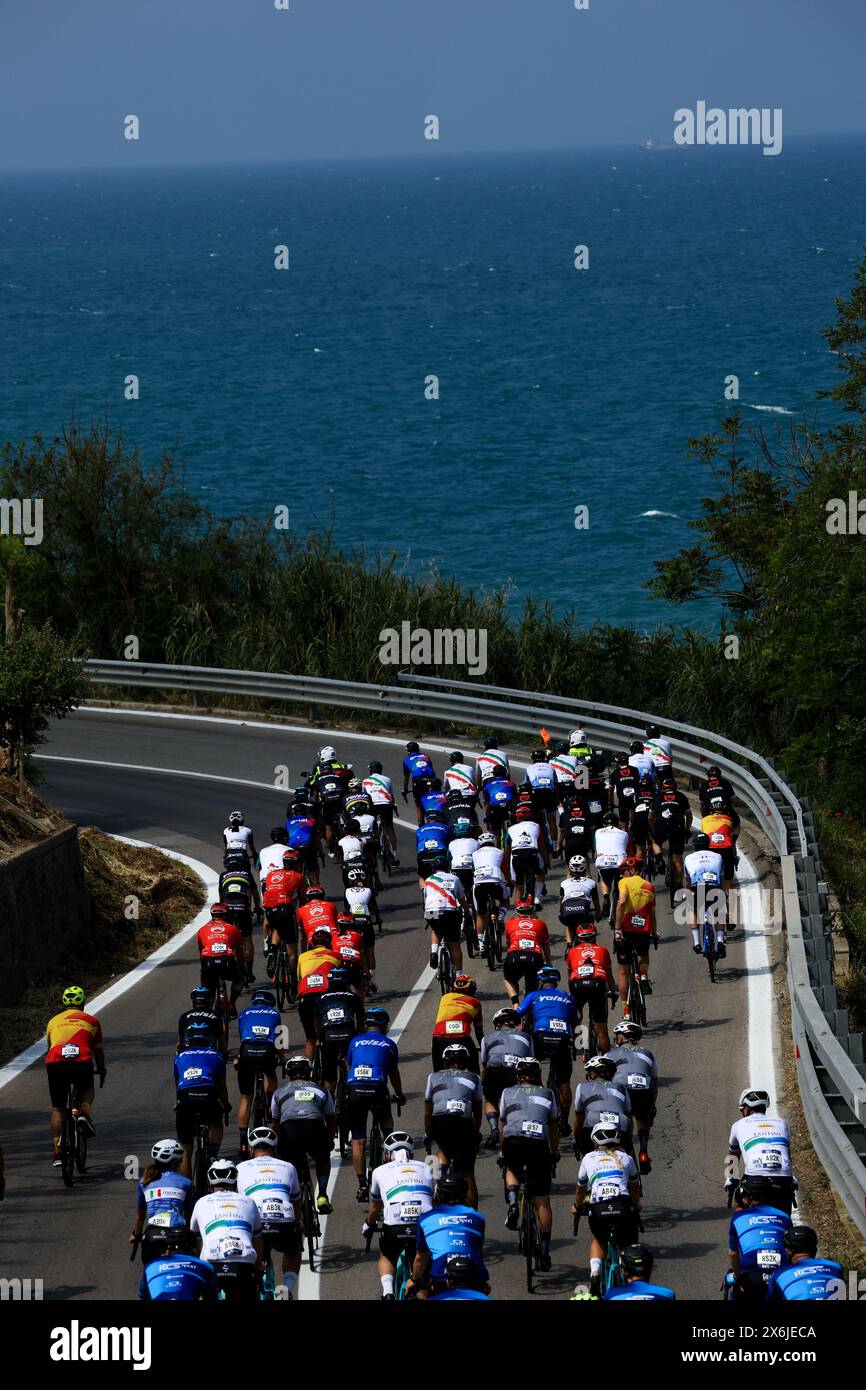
x=456 y=1016
x=73 y=1036
x=639 y=899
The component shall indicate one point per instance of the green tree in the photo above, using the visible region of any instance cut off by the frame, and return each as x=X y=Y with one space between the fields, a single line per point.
x=41 y=678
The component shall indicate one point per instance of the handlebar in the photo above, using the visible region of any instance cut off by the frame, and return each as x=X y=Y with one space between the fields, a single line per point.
x=134 y=1251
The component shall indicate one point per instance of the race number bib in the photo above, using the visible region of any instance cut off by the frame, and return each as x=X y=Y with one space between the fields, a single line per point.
x=363 y=1073
x=638 y=920
x=70 y=1051
x=456 y=1107
x=637 y=1082
x=192 y=1073
x=594 y=807
x=532 y=1127
x=273 y=1207
x=161 y=1218
x=509 y=1060
x=218 y=948
x=558 y=1025
x=584 y=971
x=410 y=1211
x=260 y=1031
x=305 y=1096
x=315 y=981
x=771 y=1159
x=609 y=1117
x=526 y=944
x=453 y=1025
x=769 y=1259
x=230 y=1247
x=335 y=1015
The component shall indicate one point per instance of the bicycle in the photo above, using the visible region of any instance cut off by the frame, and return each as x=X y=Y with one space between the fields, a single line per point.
x=445 y=971
x=613 y=898
x=309 y=1218
x=268 y=1287
x=386 y=853
x=73 y=1138
x=403 y=1267
x=493 y=935
x=469 y=934
x=709 y=945
x=200 y=1158
x=672 y=883
x=285 y=980
x=528 y=1233
x=260 y=1110
x=635 y=997
x=341 y=1108
x=376 y=1143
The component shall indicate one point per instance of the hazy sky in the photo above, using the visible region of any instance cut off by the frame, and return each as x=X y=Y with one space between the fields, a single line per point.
x=215 y=80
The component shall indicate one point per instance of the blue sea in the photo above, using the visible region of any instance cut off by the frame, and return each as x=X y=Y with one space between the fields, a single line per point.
x=558 y=388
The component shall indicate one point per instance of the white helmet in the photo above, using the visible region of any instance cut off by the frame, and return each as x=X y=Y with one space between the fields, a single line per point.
x=486 y=839
x=631 y=1031
x=755 y=1100
x=327 y=754
x=262 y=1138
x=166 y=1151
x=577 y=737
x=577 y=864
x=236 y=818
x=222 y=1173
x=604 y=1134
x=398 y=1142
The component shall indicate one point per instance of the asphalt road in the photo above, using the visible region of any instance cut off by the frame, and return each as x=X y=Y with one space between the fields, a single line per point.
x=75 y=1241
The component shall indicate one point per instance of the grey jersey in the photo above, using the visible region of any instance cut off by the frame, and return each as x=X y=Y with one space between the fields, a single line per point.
x=635 y=1068
x=526 y=1112
x=301 y=1100
x=503 y=1047
x=453 y=1092
x=603 y=1102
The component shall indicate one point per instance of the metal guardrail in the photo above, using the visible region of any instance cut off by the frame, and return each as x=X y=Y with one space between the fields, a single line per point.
x=830 y=1064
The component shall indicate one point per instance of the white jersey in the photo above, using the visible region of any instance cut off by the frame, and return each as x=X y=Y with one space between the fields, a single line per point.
x=273 y=1186
x=359 y=901
x=764 y=1144
x=611 y=847
x=238 y=837
x=460 y=853
x=577 y=888
x=487 y=863
x=702 y=864
x=352 y=847
x=226 y=1223
x=367 y=826
x=460 y=778
x=606 y=1173
x=644 y=764
x=565 y=767
x=659 y=749
x=541 y=776
x=525 y=834
x=271 y=858
x=379 y=788
x=443 y=892
x=405 y=1188
x=491 y=763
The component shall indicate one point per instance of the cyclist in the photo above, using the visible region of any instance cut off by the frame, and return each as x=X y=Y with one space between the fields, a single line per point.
x=75 y=1051
x=608 y=1183
x=281 y=895
x=612 y=846
x=637 y=1072
x=303 y=1115
x=359 y=898
x=499 y=795
x=551 y=1014
x=624 y=781
x=450 y=1228
x=637 y=1266
x=220 y=944
x=401 y=1191
x=418 y=770
x=458 y=1016
x=545 y=797
x=594 y=792
x=756 y=1242
x=349 y=941
x=302 y=827
x=639 y=826
x=239 y=836
x=716 y=795
x=444 y=900
x=489 y=889
x=316 y=911
x=230 y=1229
x=492 y=762
x=575 y=836
x=670 y=824
x=501 y=1050
x=461 y=1281
x=529 y=1140
x=459 y=806
x=380 y=790
x=461 y=856
x=434 y=799
x=259 y=1027
x=274 y=1187
x=723 y=839
x=658 y=746
x=164 y=1201
x=339 y=1018
x=635 y=928
x=314 y=968
x=431 y=845
x=329 y=780
x=177 y=1276
x=200 y=1087
x=598 y=1100
x=590 y=979
x=357 y=804
x=641 y=761
x=271 y=857
x=239 y=891
x=703 y=876
x=202 y=1011
x=764 y=1143
x=565 y=768
x=373 y=1061
x=460 y=777
x=578 y=898
x=526 y=859
x=527 y=949
x=807 y=1276
x=452 y=1114
x=357 y=847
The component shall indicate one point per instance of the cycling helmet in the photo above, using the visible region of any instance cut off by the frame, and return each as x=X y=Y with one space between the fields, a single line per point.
x=599 y=1063
x=549 y=974
x=222 y=1173
x=646 y=783
x=464 y=984
x=577 y=864
x=752 y=1187
x=524 y=904
x=538 y=756
x=377 y=1018
x=506 y=1018
x=628 y=1031
x=577 y=737
x=714 y=771
x=456 y=1055
x=801 y=1240
x=455 y=756
x=636 y=746
x=486 y=839
x=637 y=1260
x=197 y=1033
x=73 y=997
x=755 y=1100
x=530 y=1067
x=346 y=920
x=586 y=931
x=298 y=1067
x=374 y=766
x=314 y=891
x=524 y=813
x=338 y=978
x=412 y=747
x=327 y=753
x=462 y=1271
x=653 y=731
x=491 y=741
x=291 y=856
x=354 y=785
x=630 y=865
x=220 y=912
x=279 y=835
x=262 y=1138
x=236 y=818
x=321 y=933
x=669 y=781
x=166 y=1151
x=621 y=759
x=264 y=996
x=398 y=1142
x=431 y=814
x=560 y=745
x=610 y=818
x=201 y=997
x=452 y=1188
x=604 y=1134
x=700 y=841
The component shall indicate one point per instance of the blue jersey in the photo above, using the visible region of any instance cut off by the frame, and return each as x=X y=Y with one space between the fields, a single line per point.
x=181 y=1278
x=433 y=801
x=259 y=1023
x=637 y=1289
x=370 y=1057
x=451 y=1230
x=757 y=1235
x=499 y=791
x=199 y=1069
x=418 y=765
x=432 y=838
x=168 y=1194
x=812 y=1279
x=551 y=1012
x=301 y=830
x=450 y=1294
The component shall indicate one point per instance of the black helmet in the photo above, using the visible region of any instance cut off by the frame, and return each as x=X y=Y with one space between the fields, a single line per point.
x=801 y=1240
x=700 y=841
x=202 y=997
x=491 y=741
x=280 y=835
x=653 y=731
x=538 y=755
x=452 y=1188
x=264 y=996
x=752 y=1187
x=338 y=978
x=374 y=766
x=412 y=747
x=620 y=758
x=377 y=1018
x=635 y=746
x=462 y=1271
x=455 y=756
x=560 y=745
x=197 y=1034
x=637 y=1260
x=611 y=818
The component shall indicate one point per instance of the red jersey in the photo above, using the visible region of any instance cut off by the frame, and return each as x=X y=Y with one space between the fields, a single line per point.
x=282 y=887
x=348 y=945
x=526 y=934
x=318 y=913
x=218 y=939
x=587 y=962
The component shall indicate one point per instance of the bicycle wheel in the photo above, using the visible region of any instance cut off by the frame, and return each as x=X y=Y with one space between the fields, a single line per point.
x=200 y=1163
x=281 y=981
x=526 y=1241
x=80 y=1148
x=258 y=1106
x=710 y=950
x=269 y=1286
x=311 y=1223
x=613 y=895
x=341 y=1109
x=446 y=969
x=67 y=1144
x=374 y=1149
x=469 y=936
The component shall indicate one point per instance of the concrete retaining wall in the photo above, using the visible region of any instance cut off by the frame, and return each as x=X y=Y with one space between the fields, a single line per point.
x=44 y=905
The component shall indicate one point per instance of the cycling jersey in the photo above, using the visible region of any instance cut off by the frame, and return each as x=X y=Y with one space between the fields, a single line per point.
x=551 y=1012
x=238 y=838
x=671 y=811
x=719 y=828
x=348 y=945
x=594 y=796
x=455 y=1295
x=367 y=825
x=492 y=763
x=456 y=1016
x=370 y=1058
x=273 y=1185
x=487 y=865
x=314 y=967
x=302 y=831
x=588 y=961
x=643 y=765
x=453 y=1092
x=73 y=1036
x=757 y=1236
x=418 y=765
x=636 y=1068
x=526 y=1112
x=166 y=1200
x=218 y=940
x=271 y=858
x=461 y=852
x=318 y=913
x=624 y=781
x=259 y=1023
x=379 y=788
x=541 y=776
x=499 y=792
x=227 y=1224
x=578 y=888
x=434 y=801
x=638 y=898
x=704 y=866
x=765 y=1145
x=359 y=901
x=659 y=750
x=338 y=1013
x=451 y=1230
x=638 y=1289
x=358 y=804
x=603 y=1102
x=525 y=835
x=526 y=934
x=432 y=838
x=605 y=1174
x=443 y=893
x=236 y=884
x=198 y=1069
x=405 y=1188
x=461 y=778
x=178 y=1278
x=281 y=888
x=812 y=1279
x=351 y=847
x=611 y=847
x=504 y=1048
x=301 y=1100
x=564 y=768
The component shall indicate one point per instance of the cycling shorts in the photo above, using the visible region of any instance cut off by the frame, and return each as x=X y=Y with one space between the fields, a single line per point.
x=591 y=993
x=62 y=1075
x=282 y=1236
x=302 y=1138
x=559 y=1050
x=495 y=1081
x=518 y=964
x=533 y=1157
x=394 y=1240
x=447 y=924
x=255 y=1057
x=457 y=1138
x=282 y=920
x=614 y=1219
x=214 y=969
x=333 y=1046
x=192 y=1108
x=367 y=1098
x=627 y=941
x=237 y=1282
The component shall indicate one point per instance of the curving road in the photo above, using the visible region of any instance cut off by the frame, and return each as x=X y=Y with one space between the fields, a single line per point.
x=197 y=769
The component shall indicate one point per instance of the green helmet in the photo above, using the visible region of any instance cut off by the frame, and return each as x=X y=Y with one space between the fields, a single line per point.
x=73 y=997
